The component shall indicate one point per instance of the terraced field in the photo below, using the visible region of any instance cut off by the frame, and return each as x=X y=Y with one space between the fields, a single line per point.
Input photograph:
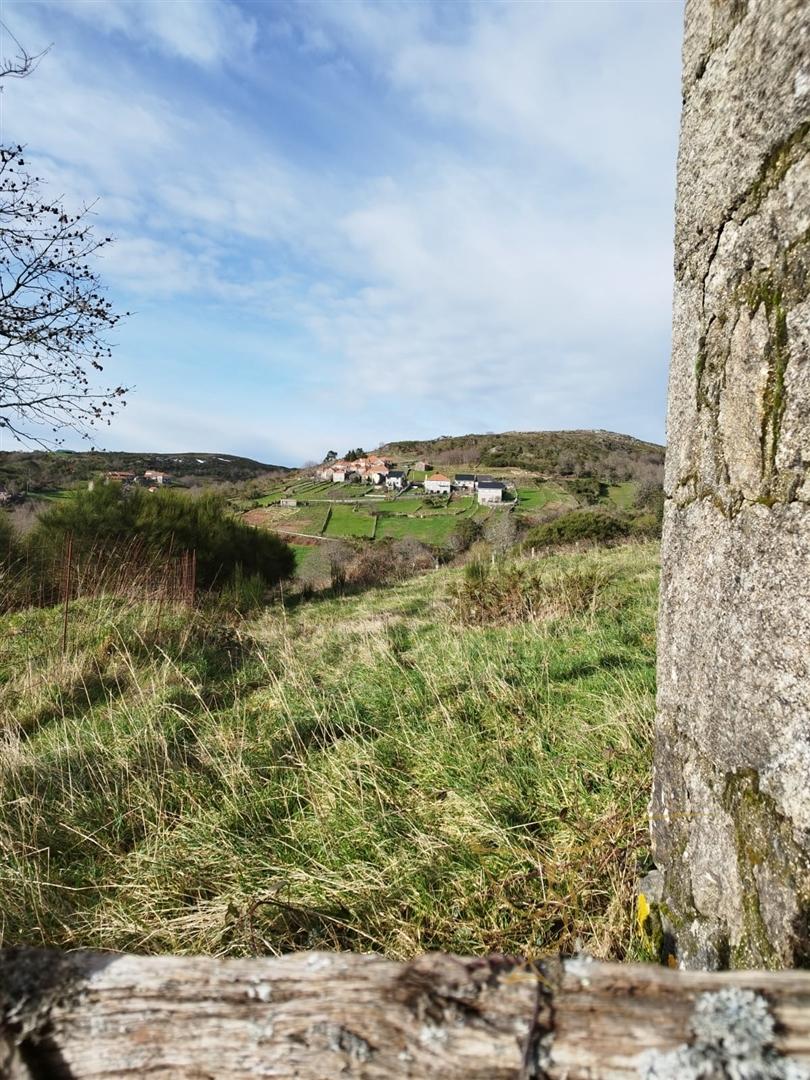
x=354 y=511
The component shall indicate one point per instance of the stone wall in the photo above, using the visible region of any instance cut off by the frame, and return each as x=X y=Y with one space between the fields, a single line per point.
x=730 y=811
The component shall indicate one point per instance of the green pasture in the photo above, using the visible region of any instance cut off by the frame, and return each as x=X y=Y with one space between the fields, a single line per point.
x=345 y=521
x=400 y=506
x=430 y=530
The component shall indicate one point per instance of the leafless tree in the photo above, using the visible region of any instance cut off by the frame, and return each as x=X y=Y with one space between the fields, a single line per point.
x=500 y=531
x=54 y=316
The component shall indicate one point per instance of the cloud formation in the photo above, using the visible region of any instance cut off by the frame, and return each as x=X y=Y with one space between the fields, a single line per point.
x=420 y=218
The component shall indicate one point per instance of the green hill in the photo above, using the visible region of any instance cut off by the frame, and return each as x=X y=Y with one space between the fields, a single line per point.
x=41 y=469
x=606 y=455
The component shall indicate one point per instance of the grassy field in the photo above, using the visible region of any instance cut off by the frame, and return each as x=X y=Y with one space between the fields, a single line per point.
x=409 y=516
x=398 y=518
x=434 y=529
x=405 y=505
x=367 y=772
x=344 y=521
x=538 y=497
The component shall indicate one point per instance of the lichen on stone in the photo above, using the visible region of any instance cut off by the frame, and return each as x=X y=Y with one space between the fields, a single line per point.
x=733 y=1035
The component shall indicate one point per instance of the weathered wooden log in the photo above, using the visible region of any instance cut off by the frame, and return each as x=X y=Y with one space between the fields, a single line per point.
x=321 y=1015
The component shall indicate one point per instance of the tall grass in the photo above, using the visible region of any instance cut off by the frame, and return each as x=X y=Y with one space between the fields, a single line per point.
x=370 y=772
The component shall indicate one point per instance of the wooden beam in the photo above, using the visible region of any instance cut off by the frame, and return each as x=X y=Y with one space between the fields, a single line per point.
x=320 y=1015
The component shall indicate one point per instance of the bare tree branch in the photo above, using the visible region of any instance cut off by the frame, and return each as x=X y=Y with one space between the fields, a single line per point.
x=54 y=317
x=23 y=63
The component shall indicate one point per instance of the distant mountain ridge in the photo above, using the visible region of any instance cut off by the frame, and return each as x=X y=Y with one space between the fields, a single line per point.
x=61 y=468
x=607 y=455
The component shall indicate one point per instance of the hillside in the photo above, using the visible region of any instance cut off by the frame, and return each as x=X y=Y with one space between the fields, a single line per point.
x=607 y=455
x=388 y=771
x=545 y=475
x=59 y=469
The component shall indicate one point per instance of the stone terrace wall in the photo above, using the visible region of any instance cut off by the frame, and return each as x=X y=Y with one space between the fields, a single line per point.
x=730 y=811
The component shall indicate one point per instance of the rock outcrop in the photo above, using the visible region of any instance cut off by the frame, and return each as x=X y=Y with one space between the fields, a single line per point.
x=730 y=811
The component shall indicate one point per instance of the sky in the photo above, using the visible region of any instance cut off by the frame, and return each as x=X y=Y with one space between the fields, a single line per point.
x=343 y=222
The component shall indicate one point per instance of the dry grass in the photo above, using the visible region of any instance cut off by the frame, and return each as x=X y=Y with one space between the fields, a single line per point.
x=358 y=773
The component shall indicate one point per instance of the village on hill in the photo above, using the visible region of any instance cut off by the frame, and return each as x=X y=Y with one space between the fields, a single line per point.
x=149 y=478
x=373 y=469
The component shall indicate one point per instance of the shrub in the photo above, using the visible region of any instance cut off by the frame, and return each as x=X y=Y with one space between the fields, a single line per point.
x=647 y=525
x=411 y=556
x=464 y=535
x=600 y=528
x=588 y=488
x=511 y=593
x=650 y=499
x=109 y=521
x=385 y=562
x=500 y=531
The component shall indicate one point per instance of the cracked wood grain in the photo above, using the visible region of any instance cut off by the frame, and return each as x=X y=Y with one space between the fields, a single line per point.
x=319 y=1015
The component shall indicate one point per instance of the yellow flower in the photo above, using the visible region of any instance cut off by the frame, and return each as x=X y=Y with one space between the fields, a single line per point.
x=642 y=913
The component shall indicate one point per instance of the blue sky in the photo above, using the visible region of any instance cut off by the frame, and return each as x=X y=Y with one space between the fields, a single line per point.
x=340 y=223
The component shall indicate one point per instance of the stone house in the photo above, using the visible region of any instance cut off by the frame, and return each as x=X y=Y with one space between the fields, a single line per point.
x=490 y=491
x=438 y=484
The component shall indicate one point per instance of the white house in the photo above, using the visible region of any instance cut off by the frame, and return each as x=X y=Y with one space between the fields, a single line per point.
x=155 y=477
x=339 y=476
x=465 y=480
x=438 y=484
x=490 y=491
x=395 y=480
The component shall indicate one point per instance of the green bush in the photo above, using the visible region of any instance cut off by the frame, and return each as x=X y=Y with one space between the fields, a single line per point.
x=647 y=525
x=588 y=488
x=579 y=525
x=464 y=534
x=163 y=523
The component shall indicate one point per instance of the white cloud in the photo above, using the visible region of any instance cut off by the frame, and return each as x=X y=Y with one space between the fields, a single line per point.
x=514 y=250
x=205 y=32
